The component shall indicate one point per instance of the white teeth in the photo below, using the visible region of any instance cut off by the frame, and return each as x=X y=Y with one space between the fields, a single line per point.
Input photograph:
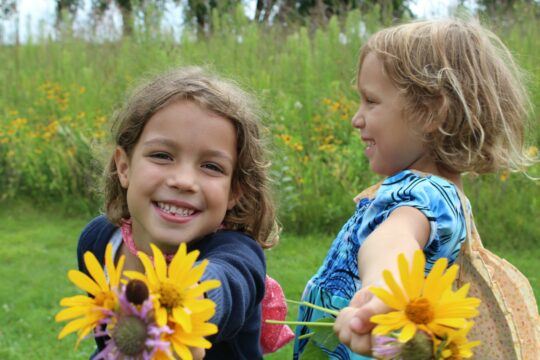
x=370 y=143
x=175 y=210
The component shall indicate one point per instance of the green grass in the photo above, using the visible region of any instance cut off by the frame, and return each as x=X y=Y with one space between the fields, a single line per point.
x=37 y=247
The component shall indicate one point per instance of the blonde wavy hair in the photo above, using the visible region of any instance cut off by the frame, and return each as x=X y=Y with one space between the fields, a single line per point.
x=463 y=90
x=255 y=211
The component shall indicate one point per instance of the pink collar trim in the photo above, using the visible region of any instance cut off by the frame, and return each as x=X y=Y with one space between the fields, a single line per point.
x=130 y=244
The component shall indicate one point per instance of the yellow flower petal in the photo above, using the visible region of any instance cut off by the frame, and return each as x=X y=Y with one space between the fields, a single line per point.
x=195 y=273
x=387 y=298
x=153 y=281
x=73 y=326
x=182 y=350
x=417 y=274
x=389 y=318
x=199 y=305
x=455 y=323
x=394 y=287
x=84 y=282
x=407 y=333
x=70 y=313
x=449 y=276
x=161 y=316
x=159 y=263
x=181 y=317
x=95 y=270
x=404 y=275
x=180 y=266
x=204 y=287
x=196 y=341
x=136 y=275
x=432 y=284
x=77 y=300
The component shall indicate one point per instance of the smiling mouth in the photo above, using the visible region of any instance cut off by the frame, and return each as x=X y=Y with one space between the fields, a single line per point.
x=369 y=143
x=175 y=210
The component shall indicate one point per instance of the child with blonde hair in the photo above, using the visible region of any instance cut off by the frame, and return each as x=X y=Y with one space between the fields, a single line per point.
x=438 y=98
x=189 y=166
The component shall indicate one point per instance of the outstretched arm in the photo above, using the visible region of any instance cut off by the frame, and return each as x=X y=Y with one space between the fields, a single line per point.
x=404 y=231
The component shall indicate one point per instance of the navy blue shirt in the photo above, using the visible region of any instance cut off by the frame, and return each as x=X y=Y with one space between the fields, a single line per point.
x=236 y=260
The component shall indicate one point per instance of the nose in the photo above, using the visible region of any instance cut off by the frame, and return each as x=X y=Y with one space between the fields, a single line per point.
x=358 y=120
x=183 y=178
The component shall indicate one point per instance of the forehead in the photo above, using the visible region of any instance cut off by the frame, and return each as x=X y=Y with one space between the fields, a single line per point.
x=372 y=75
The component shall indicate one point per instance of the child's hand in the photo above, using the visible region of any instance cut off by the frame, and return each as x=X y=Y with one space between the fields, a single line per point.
x=352 y=325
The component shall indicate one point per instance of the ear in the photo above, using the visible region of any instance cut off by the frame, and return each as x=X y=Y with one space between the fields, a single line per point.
x=234 y=197
x=122 y=166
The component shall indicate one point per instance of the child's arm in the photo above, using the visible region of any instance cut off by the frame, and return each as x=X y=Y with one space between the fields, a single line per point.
x=237 y=261
x=404 y=231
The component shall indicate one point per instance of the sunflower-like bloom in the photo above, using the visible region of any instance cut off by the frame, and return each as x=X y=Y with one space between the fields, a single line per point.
x=182 y=340
x=176 y=289
x=427 y=303
x=87 y=312
x=456 y=345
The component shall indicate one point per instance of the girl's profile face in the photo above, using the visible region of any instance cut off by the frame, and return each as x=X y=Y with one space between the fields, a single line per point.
x=179 y=176
x=391 y=145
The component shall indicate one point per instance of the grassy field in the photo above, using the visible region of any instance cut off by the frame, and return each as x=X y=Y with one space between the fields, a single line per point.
x=37 y=248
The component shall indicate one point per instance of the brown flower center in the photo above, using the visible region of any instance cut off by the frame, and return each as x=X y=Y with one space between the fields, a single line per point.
x=169 y=296
x=419 y=311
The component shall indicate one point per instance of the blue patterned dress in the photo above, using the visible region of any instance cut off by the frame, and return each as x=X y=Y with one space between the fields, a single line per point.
x=337 y=279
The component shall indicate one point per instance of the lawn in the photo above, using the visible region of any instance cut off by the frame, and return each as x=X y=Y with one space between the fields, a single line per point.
x=37 y=247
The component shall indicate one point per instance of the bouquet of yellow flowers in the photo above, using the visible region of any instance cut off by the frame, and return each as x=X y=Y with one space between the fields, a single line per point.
x=156 y=315
x=430 y=320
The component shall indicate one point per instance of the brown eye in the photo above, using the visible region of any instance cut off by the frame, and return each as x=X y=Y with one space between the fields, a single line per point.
x=161 y=156
x=213 y=167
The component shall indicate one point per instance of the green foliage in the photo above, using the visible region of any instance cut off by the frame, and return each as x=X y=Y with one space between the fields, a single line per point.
x=56 y=98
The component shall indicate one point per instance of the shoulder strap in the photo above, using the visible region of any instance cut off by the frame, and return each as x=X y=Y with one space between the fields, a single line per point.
x=472 y=240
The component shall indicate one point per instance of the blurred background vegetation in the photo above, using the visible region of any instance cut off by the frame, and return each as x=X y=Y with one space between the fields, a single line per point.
x=57 y=93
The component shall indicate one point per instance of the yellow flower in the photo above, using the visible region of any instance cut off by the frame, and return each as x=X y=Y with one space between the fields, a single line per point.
x=457 y=346
x=182 y=340
x=532 y=151
x=427 y=303
x=176 y=289
x=85 y=312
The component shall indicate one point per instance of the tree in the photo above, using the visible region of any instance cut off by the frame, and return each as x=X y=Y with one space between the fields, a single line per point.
x=7 y=8
x=63 y=6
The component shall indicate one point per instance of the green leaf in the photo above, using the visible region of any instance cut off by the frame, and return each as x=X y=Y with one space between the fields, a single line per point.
x=325 y=336
x=313 y=352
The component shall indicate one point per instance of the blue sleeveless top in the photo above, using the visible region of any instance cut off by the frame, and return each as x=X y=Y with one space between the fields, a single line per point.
x=337 y=280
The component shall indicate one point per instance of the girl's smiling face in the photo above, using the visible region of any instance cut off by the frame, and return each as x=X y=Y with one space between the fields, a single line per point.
x=179 y=176
x=391 y=145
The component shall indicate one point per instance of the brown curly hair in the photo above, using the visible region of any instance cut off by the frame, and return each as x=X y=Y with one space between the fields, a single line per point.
x=463 y=91
x=255 y=211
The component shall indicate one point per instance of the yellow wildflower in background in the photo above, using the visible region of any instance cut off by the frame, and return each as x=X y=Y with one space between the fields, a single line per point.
x=85 y=312
x=532 y=151
x=427 y=304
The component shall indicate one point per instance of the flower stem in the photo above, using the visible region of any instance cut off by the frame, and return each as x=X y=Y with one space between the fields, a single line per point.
x=305 y=336
x=316 y=307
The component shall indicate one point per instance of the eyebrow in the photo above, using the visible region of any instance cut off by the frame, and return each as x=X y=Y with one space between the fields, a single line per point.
x=173 y=144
